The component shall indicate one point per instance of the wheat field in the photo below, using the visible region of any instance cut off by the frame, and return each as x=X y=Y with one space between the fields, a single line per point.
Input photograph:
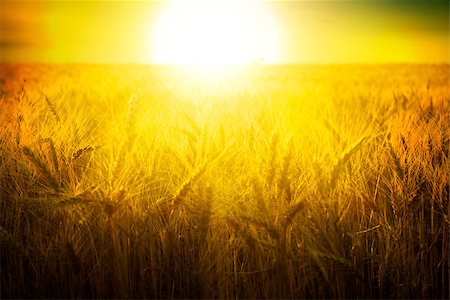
x=136 y=181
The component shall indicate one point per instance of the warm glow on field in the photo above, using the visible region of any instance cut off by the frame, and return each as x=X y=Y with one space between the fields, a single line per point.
x=215 y=33
x=224 y=149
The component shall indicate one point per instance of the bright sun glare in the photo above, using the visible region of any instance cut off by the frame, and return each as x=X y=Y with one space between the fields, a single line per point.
x=215 y=33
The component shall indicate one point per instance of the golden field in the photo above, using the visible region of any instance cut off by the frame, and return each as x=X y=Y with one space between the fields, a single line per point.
x=270 y=182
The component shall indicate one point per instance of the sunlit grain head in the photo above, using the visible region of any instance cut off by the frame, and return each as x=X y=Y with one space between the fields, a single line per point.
x=215 y=33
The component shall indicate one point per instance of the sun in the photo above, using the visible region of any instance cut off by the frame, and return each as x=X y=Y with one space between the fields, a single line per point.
x=213 y=33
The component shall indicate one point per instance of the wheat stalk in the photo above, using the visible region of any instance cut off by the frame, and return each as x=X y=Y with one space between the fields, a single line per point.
x=52 y=108
x=186 y=186
x=42 y=168
x=53 y=153
x=284 y=184
x=345 y=156
x=288 y=216
x=271 y=171
x=81 y=152
x=398 y=166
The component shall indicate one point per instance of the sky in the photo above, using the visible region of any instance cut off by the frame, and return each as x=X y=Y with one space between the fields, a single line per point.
x=323 y=32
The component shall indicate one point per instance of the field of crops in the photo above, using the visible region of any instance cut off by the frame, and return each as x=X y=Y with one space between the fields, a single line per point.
x=270 y=182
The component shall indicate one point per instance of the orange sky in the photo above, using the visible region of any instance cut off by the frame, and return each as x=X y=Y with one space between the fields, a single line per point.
x=310 y=31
